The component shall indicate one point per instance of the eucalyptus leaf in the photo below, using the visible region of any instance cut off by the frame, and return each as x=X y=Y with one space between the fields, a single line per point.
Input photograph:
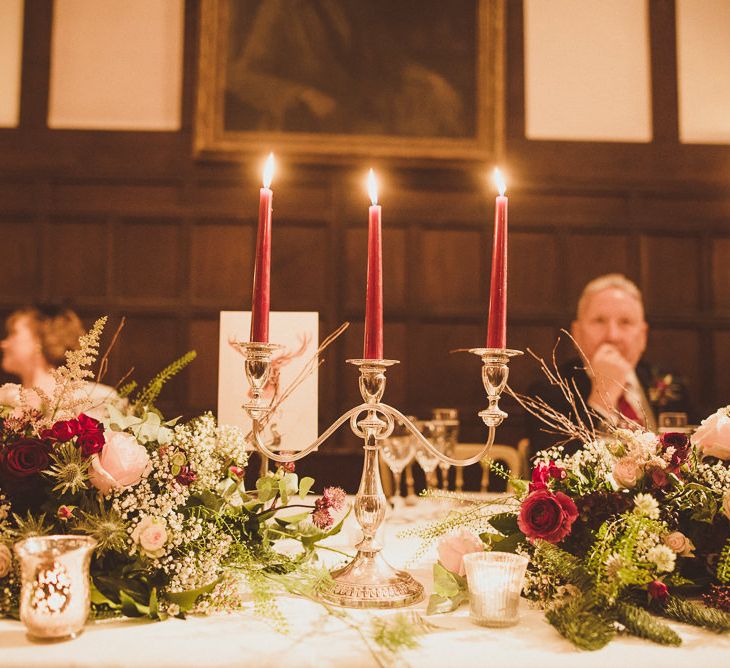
x=505 y=523
x=440 y=604
x=186 y=599
x=305 y=484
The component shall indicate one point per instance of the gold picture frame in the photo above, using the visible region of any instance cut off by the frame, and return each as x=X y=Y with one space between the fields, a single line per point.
x=303 y=84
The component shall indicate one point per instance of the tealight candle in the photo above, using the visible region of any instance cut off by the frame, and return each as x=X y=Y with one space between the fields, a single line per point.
x=495 y=582
x=54 y=600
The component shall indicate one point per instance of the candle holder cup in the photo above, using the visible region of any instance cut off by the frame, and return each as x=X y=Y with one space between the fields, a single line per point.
x=368 y=581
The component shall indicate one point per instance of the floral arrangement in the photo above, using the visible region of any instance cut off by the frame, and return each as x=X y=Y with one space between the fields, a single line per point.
x=631 y=528
x=165 y=500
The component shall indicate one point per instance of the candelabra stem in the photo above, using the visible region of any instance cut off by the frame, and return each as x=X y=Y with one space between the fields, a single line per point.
x=368 y=581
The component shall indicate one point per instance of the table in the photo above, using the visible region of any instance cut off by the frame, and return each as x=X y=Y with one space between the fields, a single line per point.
x=317 y=640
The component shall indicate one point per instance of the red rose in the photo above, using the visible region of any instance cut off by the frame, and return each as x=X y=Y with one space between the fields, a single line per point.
x=90 y=436
x=62 y=431
x=547 y=515
x=681 y=445
x=542 y=473
x=658 y=591
x=24 y=458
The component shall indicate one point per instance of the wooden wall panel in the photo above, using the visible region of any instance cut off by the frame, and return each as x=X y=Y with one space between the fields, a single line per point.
x=448 y=263
x=721 y=275
x=202 y=374
x=130 y=223
x=19 y=270
x=222 y=259
x=534 y=277
x=299 y=262
x=75 y=260
x=591 y=255
x=149 y=261
x=671 y=274
x=721 y=362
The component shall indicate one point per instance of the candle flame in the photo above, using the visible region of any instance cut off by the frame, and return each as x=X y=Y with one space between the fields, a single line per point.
x=499 y=181
x=268 y=170
x=372 y=187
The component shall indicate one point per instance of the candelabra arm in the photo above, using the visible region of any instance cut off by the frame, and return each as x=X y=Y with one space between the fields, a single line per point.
x=394 y=412
x=293 y=457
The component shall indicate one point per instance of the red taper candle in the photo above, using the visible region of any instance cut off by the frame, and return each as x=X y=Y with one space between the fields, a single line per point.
x=373 y=344
x=262 y=270
x=497 y=326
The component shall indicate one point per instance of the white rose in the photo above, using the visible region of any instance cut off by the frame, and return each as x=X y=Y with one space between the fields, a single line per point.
x=151 y=535
x=6 y=560
x=679 y=544
x=713 y=435
x=626 y=472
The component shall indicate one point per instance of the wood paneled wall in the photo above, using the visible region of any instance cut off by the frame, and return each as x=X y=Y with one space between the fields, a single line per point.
x=128 y=223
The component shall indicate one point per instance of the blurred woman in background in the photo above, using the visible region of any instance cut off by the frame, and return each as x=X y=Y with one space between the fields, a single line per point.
x=36 y=343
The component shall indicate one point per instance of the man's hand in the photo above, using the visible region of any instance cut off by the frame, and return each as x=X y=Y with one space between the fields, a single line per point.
x=611 y=372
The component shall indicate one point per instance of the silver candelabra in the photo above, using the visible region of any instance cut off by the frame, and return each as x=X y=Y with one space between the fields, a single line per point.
x=368 y=581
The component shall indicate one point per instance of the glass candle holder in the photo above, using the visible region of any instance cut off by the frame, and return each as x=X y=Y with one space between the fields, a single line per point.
x=495 y=582
x=54 y=599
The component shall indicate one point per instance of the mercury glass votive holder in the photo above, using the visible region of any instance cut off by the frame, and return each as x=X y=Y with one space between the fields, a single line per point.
x=54 y=598
x=495 y=583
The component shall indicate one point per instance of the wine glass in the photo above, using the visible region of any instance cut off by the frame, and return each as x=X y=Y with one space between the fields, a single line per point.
x=397 y=451
x=425 y=458
x=446 y=437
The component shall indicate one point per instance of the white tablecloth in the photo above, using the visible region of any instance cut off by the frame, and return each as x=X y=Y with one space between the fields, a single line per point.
x=317 y=640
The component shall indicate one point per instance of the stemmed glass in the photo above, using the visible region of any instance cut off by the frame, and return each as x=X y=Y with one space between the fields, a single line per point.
x=426 y=460
x=397 y=451
x=446 y=421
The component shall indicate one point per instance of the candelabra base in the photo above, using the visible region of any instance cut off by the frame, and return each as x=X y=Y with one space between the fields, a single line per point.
x=369 y=581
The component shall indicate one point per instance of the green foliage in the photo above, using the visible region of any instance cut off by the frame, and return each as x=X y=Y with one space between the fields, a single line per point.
x=583 y=622
x=723 y=564
x=125 y=390
x=450 y=591
x=559 y=563
x=399 y=632
x=148 y=395
x=642 y=624
x=696 y=499
x=696 y=614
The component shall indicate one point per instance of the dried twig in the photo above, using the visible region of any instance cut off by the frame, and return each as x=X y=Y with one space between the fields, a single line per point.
x=104 y=361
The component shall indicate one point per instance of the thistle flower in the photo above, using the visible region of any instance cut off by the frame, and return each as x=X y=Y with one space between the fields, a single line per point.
x=107 y=526
x=69 y=470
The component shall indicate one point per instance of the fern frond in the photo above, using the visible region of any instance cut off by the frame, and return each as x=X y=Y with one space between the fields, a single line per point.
x=151 y=391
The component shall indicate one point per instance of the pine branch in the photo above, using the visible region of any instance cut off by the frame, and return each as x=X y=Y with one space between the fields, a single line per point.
x=695 y=614
x=643 y=624
x=563 y=564
x=580 y=622
x=723 y=564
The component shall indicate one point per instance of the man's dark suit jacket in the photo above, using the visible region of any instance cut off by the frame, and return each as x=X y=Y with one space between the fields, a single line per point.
x=575 y=370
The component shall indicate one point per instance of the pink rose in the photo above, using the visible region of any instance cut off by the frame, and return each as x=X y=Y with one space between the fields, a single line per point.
x=451 y=550
x=626 y=472
x=151 y=535
x=678 y=543
x=713 y=435
x=121 y=463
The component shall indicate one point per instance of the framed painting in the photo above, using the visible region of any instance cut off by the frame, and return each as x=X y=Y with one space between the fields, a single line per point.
x=414 y=79
x=292 y=386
